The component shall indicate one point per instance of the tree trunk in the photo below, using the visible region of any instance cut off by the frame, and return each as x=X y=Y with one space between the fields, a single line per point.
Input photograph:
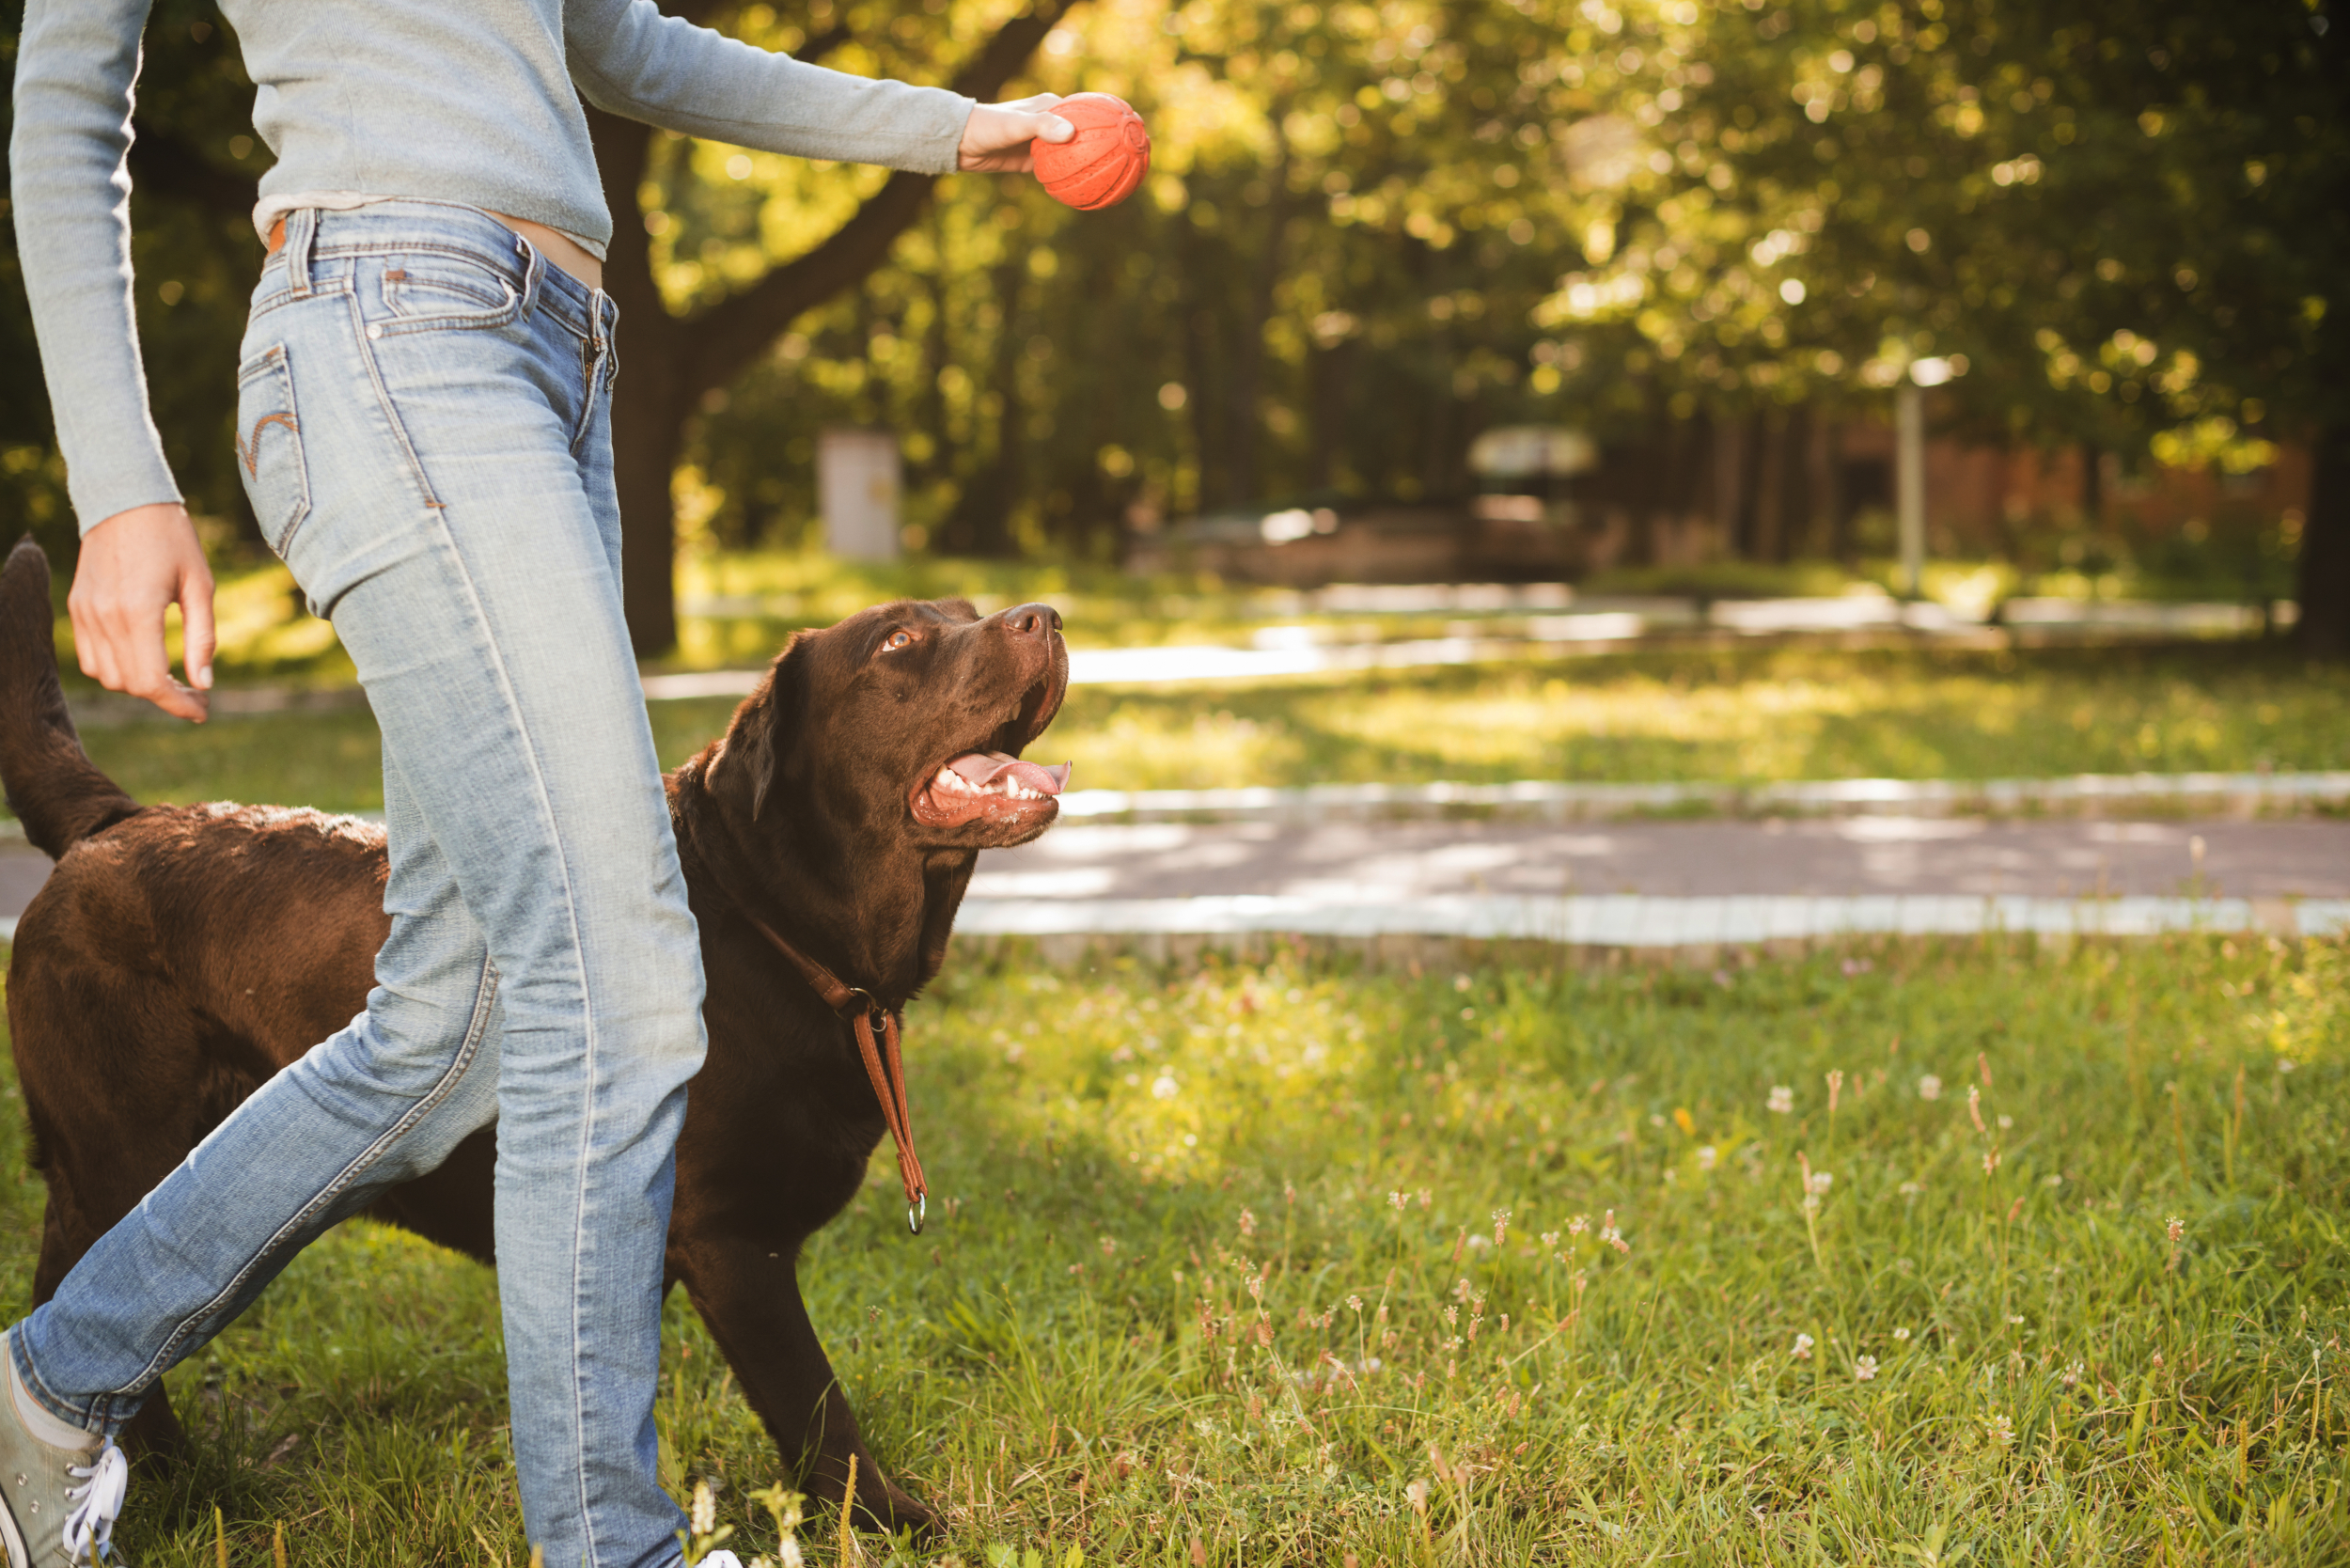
x=1246 y=410
x=648 y=423
x=1203 y=372
x=980 y=523
x=1776 y=485
x=2325 y=627
x=1819 y=482
x=1328 y=377
x=668 y=363
x=1729 y=483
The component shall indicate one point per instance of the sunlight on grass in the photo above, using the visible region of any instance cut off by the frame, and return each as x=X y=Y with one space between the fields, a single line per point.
x=1753 y=715
x=1750 y=716
x=1868 y=1255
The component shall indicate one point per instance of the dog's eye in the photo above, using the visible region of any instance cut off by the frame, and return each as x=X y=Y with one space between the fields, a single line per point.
x=898 y=639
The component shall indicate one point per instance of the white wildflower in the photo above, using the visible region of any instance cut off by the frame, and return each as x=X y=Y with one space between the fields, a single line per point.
x=705 y=1518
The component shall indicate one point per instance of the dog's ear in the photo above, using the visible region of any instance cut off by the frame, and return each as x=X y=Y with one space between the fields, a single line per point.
x=759 y=740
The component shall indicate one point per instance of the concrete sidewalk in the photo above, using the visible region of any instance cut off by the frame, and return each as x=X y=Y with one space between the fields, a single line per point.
x=1669 y=884
x=1638 y=883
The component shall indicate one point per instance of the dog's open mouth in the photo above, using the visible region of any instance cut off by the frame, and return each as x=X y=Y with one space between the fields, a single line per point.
x=987 y=785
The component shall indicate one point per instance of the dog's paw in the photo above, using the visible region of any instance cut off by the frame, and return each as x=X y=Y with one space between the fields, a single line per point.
x=889 y=1511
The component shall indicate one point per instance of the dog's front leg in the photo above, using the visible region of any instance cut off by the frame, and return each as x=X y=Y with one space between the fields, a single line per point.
x=749 y=1297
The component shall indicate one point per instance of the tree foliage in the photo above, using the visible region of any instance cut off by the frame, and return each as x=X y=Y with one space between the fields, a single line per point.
x=1375 y=228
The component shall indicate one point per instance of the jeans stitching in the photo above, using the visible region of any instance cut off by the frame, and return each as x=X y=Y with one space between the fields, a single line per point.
x=587 y=1025
x=391 y=413
x=573 y=315
x=484 y=995
x=48 y=1398
x=275 y=364
x=489 y=318
x=279 y=302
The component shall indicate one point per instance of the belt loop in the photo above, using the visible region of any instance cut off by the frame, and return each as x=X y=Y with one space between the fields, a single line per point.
x=302 y=228
x=534 y=272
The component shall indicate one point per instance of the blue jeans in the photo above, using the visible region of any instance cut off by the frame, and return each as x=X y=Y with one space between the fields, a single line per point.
x=423 y=418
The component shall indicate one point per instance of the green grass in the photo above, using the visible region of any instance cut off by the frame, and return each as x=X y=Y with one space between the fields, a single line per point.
x=1750 y=716
x=736 y=608
x=1168 y=1207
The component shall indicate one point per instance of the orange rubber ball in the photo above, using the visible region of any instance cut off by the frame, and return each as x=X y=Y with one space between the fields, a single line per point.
x=1104 y=163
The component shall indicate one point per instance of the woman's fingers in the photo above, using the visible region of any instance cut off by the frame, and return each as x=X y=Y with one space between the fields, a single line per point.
x=196 y=627
x=135 y=566
x=996 y=137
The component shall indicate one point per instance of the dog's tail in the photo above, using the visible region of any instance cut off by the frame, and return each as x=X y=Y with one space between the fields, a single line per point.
x=53 y=787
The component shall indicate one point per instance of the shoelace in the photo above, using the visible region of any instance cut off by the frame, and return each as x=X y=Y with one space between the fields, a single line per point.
x=89 y=1528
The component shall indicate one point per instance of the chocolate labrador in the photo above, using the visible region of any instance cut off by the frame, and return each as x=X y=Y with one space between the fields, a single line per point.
x=827 y=839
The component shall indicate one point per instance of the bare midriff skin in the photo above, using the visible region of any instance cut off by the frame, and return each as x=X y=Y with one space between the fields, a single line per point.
x=565 y=252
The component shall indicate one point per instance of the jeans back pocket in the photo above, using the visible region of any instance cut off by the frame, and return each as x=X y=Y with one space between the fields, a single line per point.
x=269 y=445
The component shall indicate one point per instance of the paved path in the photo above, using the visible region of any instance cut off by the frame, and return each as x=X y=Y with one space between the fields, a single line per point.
x=1402 y=862
x=1668 y=885
x=1640 y=882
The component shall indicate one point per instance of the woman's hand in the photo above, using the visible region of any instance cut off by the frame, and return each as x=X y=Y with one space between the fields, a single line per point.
x=995 y=138
x=134 y=566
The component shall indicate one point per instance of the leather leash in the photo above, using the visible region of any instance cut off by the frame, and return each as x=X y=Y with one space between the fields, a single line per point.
x=867 y=1020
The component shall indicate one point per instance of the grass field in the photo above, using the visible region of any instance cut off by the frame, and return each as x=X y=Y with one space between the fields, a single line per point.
x=1290 y=1262
x=1749 y=716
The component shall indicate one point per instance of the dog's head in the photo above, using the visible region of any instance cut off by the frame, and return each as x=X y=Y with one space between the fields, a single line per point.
x=905 y=723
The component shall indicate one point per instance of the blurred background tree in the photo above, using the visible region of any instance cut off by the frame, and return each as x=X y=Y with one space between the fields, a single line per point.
x=1376 y=229
x=193 y=171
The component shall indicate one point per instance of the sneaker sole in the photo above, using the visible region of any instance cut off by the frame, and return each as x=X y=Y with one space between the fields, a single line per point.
x=14 y=1540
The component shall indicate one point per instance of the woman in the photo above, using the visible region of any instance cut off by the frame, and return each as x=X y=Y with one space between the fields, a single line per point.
x=422 y=419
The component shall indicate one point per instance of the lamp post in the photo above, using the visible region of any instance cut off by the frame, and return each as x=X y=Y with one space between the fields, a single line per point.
x=1909 y=420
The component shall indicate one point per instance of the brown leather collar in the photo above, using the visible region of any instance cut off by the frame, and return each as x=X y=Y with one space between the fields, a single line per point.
x=867 y=1018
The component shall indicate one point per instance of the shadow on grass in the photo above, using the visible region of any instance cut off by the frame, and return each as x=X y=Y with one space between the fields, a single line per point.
x=1296 y=1260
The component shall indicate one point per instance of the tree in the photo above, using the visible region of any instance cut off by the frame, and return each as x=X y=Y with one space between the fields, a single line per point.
x=675 y=359
x=193 y=165
x=2125 y=221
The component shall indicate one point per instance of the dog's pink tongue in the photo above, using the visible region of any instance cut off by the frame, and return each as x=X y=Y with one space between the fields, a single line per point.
x=982 y=768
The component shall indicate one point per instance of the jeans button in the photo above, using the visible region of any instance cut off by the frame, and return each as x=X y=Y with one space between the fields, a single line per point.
x=375 y=330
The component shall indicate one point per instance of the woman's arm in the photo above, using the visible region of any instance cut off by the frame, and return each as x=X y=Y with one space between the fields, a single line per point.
x=70 y=189
x=75 y=64
x=630 y=60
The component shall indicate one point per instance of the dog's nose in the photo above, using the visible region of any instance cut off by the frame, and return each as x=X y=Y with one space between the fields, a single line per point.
x=1033 y=620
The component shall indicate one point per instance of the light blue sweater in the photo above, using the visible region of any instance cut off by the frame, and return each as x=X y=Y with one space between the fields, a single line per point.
x=467 y=101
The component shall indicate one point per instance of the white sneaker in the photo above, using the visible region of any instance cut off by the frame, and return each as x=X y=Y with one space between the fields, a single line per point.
x=57 y=1504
